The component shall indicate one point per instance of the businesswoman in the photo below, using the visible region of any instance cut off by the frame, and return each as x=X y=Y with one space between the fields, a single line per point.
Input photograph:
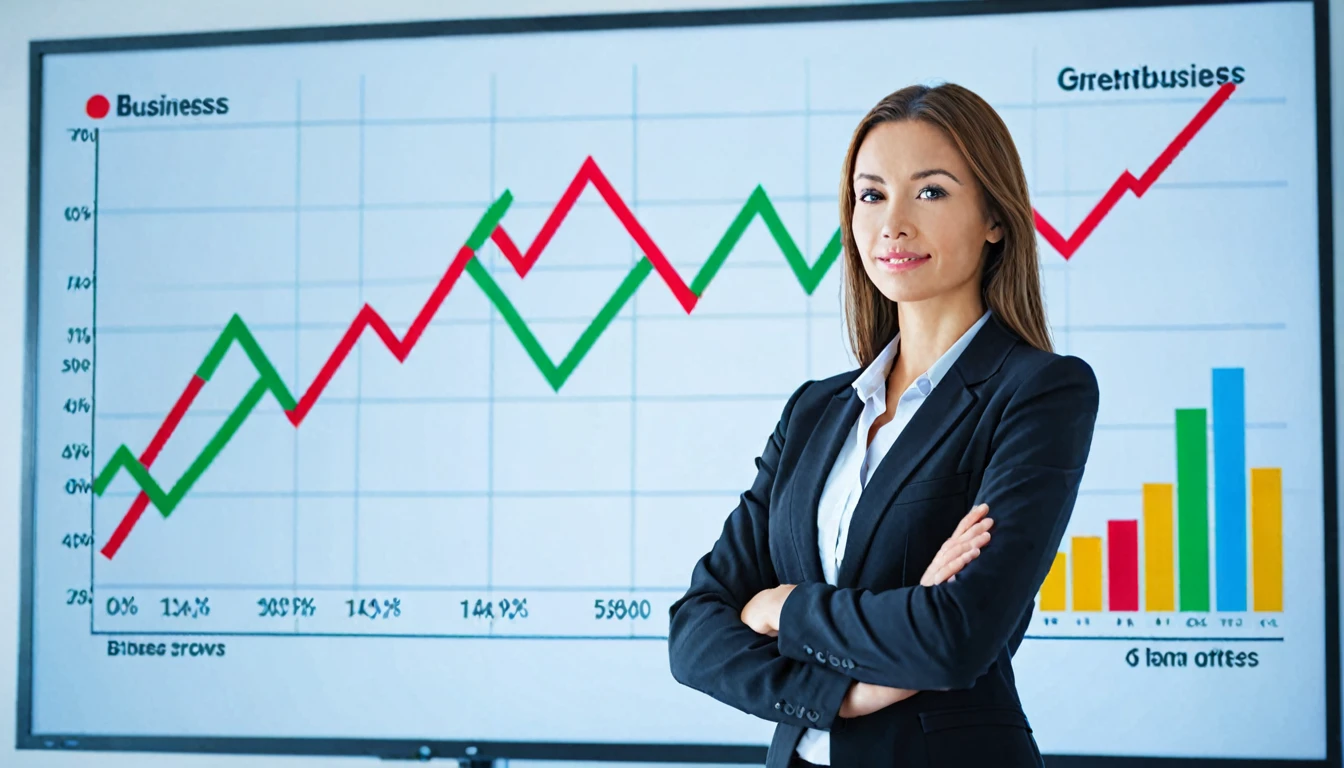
x=825 y=604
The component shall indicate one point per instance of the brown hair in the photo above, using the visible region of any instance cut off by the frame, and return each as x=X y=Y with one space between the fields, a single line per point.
x=1010 y=282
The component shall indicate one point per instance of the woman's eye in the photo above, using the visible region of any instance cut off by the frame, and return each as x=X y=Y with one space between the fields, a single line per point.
x=869 y=196
x=937 y=190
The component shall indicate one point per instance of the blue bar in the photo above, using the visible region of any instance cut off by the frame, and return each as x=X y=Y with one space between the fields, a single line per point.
x=1229 y=487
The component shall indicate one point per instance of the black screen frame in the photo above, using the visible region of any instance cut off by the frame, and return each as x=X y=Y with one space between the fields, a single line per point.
x=421 y=749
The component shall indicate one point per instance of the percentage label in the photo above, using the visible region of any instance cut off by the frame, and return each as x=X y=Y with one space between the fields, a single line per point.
x=190 y=608
x=76 y=365
x=78 y=213
x=77 y=405
x=122 y=606
x=78 y=336
x=76 y=486
x=76 y=451
x=507 y=608
x=374 y=608
x=280 y=607
x=513 y=609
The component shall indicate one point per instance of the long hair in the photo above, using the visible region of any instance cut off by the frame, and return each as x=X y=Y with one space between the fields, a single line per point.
x=1010 y=282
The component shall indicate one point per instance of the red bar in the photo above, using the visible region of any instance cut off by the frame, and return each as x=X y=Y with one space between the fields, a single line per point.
x=1122 y=543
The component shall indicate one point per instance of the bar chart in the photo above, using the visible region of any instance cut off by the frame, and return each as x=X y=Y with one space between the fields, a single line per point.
x=1160 y=561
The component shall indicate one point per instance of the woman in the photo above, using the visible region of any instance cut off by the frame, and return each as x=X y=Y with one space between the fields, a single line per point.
x=825 y=605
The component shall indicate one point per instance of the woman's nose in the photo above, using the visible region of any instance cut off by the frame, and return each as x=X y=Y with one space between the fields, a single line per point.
x=898 y=223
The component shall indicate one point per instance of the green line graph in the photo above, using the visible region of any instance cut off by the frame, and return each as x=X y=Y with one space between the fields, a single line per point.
x=758 y=204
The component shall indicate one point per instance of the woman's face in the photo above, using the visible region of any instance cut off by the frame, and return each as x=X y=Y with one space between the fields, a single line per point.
x=920 y=219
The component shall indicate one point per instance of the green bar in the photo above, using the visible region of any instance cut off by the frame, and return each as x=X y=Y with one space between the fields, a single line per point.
x=1192 y=507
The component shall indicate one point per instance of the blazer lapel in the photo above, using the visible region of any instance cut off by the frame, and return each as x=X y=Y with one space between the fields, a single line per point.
x=814 y=465
x=946 y=405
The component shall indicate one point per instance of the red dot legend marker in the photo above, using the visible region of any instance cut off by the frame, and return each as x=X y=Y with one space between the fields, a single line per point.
x=97 y=107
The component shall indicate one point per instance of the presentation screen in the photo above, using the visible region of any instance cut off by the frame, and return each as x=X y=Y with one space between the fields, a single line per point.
x=386 y=383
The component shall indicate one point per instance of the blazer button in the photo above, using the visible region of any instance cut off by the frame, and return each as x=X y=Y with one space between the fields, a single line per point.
x=821 y=657
x=788 y=709
x=779 y=705
x=847 y=664
x=835 y=661
x=807 y=649
x=813 y=716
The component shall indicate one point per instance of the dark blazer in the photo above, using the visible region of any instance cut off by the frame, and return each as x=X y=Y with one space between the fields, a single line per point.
x=1009 y=425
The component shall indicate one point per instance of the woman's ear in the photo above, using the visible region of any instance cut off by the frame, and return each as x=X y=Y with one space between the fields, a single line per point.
x=995 y=233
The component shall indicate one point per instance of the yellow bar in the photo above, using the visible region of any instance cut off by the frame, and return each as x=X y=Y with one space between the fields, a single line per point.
x=1087 y=573
x=1159 y=562
x=1052 y=591
x=1267 y=538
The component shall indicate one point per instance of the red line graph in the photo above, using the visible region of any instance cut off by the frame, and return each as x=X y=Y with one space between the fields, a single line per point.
x=522 y=262
x=147 y=458
x=590 y=173
x=367 y=317
x=1127 y=183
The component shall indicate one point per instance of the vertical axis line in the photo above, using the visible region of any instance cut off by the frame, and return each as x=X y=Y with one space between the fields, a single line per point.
x=807 y=205
x=1035 y=164
x=298 y=244
x=1068 y=221
x=490 y=413
x=93 y=378
x=635 y=255
x=359 y=348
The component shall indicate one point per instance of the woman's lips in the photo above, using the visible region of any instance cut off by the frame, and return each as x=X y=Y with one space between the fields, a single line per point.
x=902 y=261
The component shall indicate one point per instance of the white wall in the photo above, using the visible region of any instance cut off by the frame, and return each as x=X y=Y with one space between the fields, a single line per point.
x=22 y=21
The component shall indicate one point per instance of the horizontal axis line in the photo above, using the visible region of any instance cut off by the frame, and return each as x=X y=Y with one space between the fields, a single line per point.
x=473 y=205
x=1160 y=639
x=372 y=635
x=358 y=588
x=450 y=322
x=439 y=205
x=626 y=116
x=367 y=494
x=545 y=494
x=289 y=327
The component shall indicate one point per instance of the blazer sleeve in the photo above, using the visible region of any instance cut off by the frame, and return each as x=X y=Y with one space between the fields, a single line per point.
x=712 y=651
x=948 y=635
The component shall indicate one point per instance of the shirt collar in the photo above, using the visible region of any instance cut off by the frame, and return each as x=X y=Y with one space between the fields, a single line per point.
x=873 y=380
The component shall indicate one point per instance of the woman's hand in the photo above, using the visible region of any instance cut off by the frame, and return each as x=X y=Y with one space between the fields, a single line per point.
x=961 y=547
x=867 y=698
x=761 y=613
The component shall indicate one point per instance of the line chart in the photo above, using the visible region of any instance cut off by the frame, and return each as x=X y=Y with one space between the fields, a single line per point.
x=758 y=204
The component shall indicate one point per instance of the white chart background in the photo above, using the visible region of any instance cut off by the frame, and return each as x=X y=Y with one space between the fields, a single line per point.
x=350 y=173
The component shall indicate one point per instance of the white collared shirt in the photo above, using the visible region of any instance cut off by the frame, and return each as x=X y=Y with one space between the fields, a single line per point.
x=854 y=465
